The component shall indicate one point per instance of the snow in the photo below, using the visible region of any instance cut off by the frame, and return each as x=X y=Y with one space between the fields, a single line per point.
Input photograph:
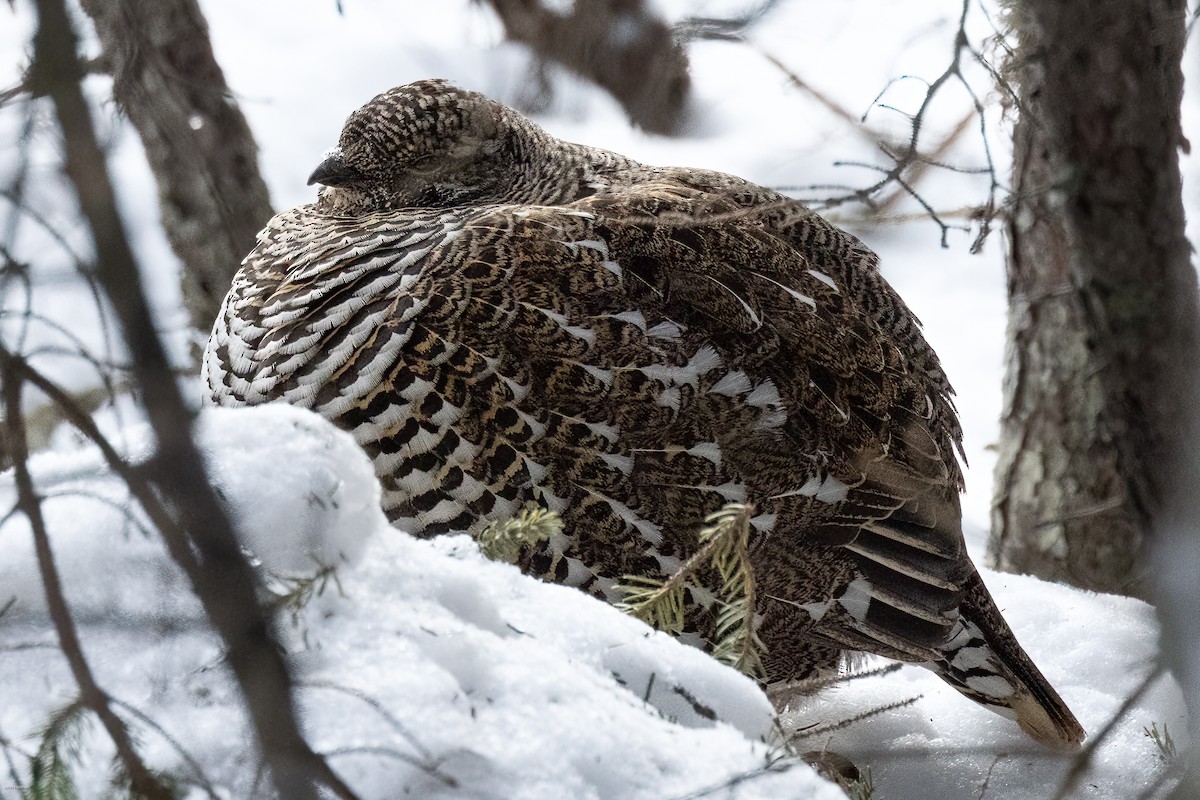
x=1095 y=649
x=424 y=666
x=425 y=669
x=550 y=717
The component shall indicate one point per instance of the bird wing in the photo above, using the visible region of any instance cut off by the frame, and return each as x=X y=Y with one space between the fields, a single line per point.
x=636 y=360
x=861 y=457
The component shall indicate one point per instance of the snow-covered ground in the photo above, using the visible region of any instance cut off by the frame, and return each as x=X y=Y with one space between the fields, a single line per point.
x=428 y=671
x=424 y=663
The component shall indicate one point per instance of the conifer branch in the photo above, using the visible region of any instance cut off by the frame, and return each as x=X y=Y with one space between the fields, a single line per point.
x=725 y=550
x=822 y=728
x=532 y=525
x=294 y=592
x=59 y=745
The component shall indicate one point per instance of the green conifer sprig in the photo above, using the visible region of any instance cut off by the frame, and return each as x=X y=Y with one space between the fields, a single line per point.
x=502 y=540
x=293 y=592
x=657 y=603
x=59 y=745
x=724 y=549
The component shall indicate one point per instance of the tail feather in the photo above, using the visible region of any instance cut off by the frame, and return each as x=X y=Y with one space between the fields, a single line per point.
x=984 y=661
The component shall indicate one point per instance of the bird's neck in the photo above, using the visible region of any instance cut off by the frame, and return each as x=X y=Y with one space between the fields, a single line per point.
x=554 y=171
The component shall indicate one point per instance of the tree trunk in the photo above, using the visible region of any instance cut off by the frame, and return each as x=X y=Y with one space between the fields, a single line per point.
x=617 y=44
x=213 y=199
x=1103 y=297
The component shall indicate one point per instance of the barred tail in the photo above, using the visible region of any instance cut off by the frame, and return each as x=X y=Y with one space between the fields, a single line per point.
x=984 y=661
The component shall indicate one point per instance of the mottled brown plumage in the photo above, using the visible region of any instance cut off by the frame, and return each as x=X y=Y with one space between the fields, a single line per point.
x=501 y=317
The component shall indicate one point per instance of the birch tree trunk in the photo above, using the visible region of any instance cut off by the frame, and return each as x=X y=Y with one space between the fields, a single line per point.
x=1102 y=339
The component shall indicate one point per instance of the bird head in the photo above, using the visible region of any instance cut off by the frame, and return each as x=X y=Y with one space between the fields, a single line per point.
x=429 y=144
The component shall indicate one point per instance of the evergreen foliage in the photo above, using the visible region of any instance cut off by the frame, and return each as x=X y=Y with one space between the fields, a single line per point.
x=532 y=525
x=723 y=560
x=59 y=745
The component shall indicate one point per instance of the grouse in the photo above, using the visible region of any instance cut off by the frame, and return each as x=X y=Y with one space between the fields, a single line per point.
x=500 y=317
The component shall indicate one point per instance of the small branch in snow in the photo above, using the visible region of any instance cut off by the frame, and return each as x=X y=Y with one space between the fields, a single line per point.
x=782 y=693
x=700 y=708
x=822 y=728
x=390 y=752
x=987 y=779
x=773 y=765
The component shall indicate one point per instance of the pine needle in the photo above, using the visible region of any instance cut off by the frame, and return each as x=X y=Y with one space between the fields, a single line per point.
x=725 y=550
x=60 y=741
x=532 y=525
x=293 y=592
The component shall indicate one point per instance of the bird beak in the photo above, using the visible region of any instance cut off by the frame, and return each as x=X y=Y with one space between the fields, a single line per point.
x=333 y=171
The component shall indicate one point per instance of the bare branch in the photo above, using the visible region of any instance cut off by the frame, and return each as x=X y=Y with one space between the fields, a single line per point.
x=202 y=541
x=908 y=163
x=96 y=699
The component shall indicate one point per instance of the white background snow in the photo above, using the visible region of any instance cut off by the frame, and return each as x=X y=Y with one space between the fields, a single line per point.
x=428 y=670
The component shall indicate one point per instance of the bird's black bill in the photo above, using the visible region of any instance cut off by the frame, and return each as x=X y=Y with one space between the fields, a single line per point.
x=333 y=172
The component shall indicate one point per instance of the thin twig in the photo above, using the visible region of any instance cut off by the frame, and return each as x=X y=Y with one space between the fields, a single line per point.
x=390 y=752
x=389 y=717
x=1084 y=759
x=921 y=166
x=830 y=727
x=199 y=535
x=197 y=770
x=139 y=485
x=142 y=779
x=908 y=164
x=987 y=779
x=854 y=121
x=785 y=692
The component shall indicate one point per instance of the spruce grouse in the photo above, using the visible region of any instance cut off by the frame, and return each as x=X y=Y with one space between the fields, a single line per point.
x=501 y=317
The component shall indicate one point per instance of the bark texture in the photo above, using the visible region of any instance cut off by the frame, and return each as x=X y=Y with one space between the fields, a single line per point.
x=1103 y=297
x=618 y=44
x=212 y=198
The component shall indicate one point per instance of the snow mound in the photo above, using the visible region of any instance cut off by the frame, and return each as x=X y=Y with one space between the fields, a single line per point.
x=425 y=670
